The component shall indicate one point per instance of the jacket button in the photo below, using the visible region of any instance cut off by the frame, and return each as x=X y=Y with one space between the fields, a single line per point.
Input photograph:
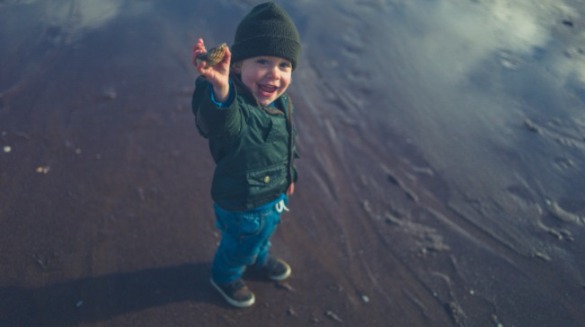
x=266 y=179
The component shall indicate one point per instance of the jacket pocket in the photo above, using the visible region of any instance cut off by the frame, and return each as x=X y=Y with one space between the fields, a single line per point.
x=266 y=179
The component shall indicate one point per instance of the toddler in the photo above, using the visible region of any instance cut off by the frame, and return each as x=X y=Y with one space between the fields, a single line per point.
x=242 y=108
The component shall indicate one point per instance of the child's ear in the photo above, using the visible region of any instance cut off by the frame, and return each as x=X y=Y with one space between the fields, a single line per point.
x=237 y=67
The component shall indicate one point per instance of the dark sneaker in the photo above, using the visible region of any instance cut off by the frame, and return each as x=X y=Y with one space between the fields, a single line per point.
x=275 y=269
x=236 y=293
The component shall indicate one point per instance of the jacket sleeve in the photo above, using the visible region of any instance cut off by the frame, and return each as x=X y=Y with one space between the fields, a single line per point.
x=214 y=121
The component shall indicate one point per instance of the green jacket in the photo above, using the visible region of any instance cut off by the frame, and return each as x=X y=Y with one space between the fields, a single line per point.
x=253 y=146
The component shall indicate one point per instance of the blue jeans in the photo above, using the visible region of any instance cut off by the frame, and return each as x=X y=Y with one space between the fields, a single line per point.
x=245 y=239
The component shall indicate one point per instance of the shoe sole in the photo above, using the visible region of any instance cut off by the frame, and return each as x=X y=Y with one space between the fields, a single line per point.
x=284 y=275
x=231 y=301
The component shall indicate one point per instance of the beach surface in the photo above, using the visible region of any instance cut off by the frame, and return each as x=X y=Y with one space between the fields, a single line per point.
x=441 y=178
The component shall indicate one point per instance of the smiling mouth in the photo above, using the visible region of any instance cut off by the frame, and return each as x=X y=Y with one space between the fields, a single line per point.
x=267 y=89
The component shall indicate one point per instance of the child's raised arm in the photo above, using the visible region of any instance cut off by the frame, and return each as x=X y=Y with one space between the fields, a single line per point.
x=217 y=75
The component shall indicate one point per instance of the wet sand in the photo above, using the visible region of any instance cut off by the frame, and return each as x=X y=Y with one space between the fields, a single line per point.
x=440 y=179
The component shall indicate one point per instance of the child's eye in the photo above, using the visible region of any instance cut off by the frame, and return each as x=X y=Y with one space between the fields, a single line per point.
x=262 y=61
x=285 y=65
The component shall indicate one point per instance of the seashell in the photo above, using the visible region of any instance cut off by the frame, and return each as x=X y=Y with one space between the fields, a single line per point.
x=214 y=55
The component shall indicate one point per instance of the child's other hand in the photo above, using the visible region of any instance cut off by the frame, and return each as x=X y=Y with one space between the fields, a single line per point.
x=291 y=189
x=217 y=75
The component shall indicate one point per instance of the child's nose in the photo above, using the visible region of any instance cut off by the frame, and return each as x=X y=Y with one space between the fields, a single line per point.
x=274 y=72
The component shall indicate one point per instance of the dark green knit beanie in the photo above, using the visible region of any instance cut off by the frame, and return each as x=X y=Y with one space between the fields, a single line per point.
x=267 y=31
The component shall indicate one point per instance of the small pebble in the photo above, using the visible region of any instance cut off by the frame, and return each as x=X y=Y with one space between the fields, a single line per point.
x=333 y=316
x=568 y=23
x=43 y=169
x=109 y=94
x=541 y=256
x=365 y=298
x=285 y=286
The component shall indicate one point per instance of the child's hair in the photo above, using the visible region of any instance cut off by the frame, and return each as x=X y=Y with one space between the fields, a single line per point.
x=267 y=31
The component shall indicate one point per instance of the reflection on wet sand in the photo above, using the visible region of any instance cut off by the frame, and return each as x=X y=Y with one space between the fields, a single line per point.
x=442 y=144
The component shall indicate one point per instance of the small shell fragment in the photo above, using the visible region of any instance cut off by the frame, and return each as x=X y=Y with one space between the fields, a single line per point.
x=214 y=55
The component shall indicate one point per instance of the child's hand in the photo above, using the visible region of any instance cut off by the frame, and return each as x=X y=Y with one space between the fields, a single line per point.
x=291 y=189
x=217 y=75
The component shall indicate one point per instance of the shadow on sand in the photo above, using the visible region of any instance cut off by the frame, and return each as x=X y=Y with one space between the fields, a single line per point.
x=100 y=298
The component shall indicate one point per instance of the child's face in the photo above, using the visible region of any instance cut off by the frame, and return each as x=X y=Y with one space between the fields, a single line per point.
x=267 y=77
